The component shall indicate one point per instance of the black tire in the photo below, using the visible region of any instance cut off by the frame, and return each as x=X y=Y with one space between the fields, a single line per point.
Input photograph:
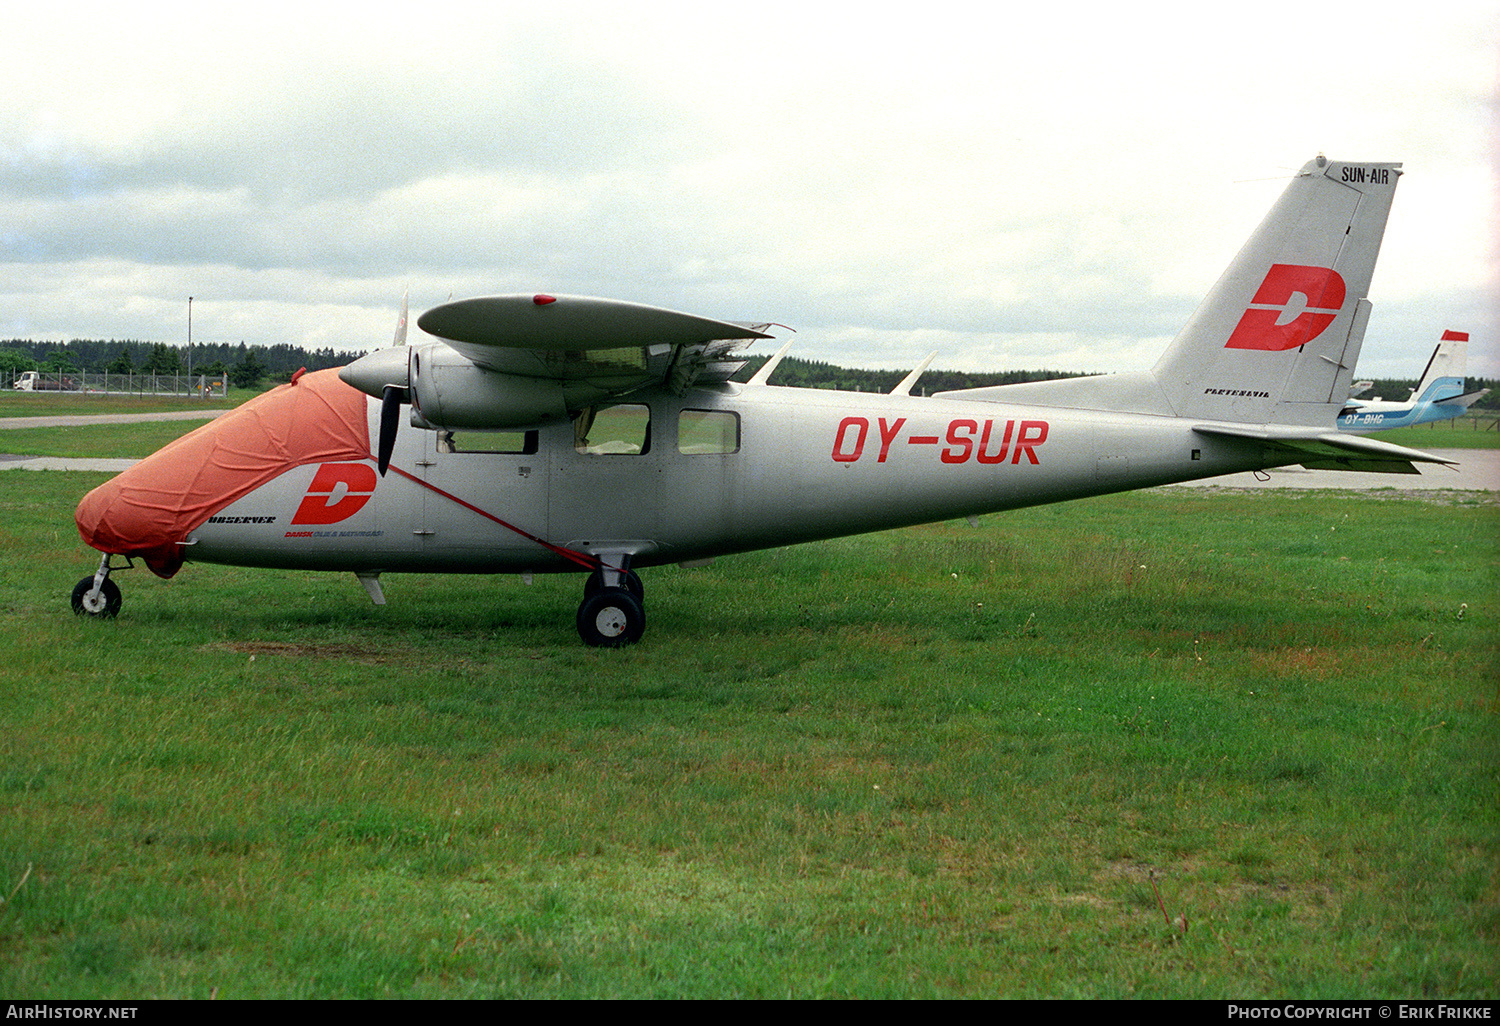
x=106 y=603
x=595 y=584
x=611 y=618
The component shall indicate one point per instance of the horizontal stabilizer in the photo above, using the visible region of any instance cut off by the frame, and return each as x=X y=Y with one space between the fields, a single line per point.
x=1367 y=466
x=1327 y=450
x=1466 y=400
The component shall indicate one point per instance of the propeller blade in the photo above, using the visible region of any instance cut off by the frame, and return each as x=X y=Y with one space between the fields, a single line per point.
x=390 y=419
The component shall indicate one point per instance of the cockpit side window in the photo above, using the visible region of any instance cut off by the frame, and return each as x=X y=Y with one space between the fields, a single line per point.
x=623 y=430
x=707 y=432
x=519 y=443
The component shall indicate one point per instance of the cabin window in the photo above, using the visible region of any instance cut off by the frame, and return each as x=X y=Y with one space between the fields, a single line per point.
x=623 y=430
x=519 y=443
x=706 y=432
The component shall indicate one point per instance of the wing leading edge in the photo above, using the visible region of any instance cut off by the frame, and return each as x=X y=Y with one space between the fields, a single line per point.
x=475 y=327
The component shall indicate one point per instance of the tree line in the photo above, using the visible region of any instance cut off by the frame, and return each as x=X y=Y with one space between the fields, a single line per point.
x=246 y=366
x=251 y=366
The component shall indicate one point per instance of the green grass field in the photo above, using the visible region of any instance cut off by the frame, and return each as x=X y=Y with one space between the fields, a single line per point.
x=1478 y=432
x=1171 y=744
x=112 y=441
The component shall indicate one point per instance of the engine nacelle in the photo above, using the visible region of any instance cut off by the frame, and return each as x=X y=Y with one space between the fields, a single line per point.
x=450 y=392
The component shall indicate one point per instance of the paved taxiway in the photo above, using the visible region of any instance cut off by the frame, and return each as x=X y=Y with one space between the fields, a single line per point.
x=14 y=462
x=87 y=420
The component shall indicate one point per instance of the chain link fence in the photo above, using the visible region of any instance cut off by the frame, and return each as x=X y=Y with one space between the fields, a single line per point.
x=205 y=386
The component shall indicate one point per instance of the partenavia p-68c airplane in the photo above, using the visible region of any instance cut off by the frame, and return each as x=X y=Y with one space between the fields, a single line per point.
x=1439 y=395
x=623 y=445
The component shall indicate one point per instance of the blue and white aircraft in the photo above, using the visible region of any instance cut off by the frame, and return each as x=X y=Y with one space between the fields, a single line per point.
x=1439 y=396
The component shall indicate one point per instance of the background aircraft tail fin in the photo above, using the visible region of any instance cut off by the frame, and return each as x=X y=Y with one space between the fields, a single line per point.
x=1443 y=379
x=1276 y=340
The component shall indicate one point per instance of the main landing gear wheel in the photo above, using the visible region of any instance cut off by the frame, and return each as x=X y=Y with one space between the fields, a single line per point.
x=611 y=618
x=633 y=584
x=105 y=602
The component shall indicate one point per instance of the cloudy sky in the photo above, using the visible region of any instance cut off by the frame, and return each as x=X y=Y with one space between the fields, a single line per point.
x=1013 y=189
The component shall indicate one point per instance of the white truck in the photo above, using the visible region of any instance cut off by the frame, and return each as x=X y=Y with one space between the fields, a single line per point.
x=35 y=381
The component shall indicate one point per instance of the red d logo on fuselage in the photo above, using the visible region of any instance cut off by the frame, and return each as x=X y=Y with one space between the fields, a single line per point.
x=338 y=491
x=1293 y=306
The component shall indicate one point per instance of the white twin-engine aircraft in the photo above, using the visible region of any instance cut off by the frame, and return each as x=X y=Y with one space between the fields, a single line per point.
x=561 y=433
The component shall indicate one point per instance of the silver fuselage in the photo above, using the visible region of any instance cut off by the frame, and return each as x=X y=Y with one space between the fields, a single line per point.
x=807 y=464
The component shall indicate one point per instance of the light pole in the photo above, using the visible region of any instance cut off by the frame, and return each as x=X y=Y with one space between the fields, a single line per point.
x=190 y=341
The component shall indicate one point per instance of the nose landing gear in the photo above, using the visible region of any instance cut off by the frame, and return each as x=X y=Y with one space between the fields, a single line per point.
x=98 y=595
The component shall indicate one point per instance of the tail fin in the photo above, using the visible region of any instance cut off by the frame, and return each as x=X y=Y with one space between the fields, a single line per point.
x=1444 y=377
x=1269 y=356
x=1276 y=340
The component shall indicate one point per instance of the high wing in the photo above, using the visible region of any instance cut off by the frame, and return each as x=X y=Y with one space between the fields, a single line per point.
x=523 y=360
x=597 y=347
x=476 y=327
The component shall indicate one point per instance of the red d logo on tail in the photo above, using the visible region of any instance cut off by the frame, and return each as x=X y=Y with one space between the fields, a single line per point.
x=338 y=491
x=1292 y=307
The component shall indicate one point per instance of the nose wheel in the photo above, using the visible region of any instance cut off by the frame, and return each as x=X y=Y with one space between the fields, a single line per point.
x=97 y=595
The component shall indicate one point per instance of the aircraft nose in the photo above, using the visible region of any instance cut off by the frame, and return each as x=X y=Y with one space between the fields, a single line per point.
x=149 y=510
x=372 y=372
x=124 y=517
